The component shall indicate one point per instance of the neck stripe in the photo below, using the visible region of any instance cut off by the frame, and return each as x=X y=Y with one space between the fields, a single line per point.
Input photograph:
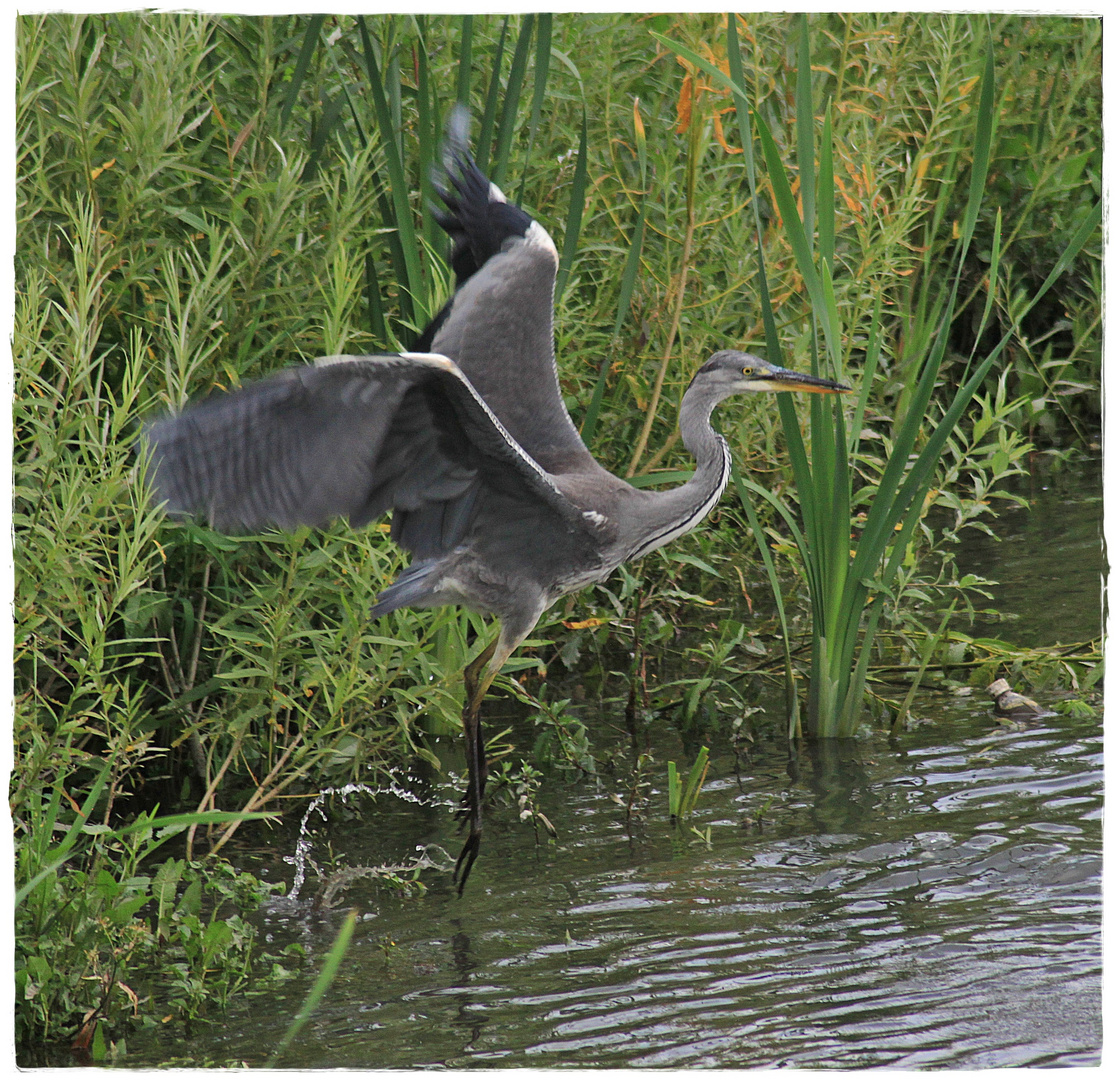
x=692 y=517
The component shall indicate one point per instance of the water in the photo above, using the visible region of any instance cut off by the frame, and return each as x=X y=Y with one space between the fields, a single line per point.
x=1048 y=560
x=926 y=901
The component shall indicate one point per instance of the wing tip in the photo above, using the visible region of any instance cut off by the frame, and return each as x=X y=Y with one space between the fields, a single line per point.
x=457 y=131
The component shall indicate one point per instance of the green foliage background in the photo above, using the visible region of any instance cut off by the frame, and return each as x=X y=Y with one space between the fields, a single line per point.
x=202 y=199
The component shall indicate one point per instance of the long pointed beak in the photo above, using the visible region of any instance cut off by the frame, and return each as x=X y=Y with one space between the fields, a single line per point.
x=784 y=379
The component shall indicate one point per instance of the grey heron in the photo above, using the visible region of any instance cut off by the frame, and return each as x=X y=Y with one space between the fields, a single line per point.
x=466 y=441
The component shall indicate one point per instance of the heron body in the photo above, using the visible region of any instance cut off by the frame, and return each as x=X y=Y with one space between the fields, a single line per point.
x=466 y=441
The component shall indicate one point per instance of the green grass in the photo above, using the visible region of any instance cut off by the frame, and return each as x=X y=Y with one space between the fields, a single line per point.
x=202 y=199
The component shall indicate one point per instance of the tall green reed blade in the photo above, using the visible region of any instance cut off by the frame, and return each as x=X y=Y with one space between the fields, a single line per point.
x=465 y=60
x=498 y=167
x=797 y=236
x=332 y=109
x=771 y=336
x=412 y=282
x=826 y=184
x=574 y=214
x=429 y=134
x=542 y=69
x=488 y=116
x=804 y=126
x=628 y=279
x=298 y=76
x=377 y=323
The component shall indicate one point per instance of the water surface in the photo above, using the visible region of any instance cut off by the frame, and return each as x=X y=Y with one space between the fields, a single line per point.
x=927 y=901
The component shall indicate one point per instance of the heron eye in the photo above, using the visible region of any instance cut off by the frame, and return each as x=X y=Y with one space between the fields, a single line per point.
x=746 y=371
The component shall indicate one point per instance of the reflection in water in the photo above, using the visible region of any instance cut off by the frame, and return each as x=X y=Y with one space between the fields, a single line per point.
x=468 y=1022
x=1048 y=560
x=844 y=795
x=925 y=903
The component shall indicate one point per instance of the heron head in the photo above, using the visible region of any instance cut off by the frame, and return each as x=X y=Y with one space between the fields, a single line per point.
x=735 y=372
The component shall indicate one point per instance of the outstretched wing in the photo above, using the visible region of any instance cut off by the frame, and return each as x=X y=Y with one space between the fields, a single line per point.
x=499 y=325
x=351 y=437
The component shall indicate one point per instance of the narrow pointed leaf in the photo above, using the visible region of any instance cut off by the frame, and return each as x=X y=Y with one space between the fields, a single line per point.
x=574 y=215
x=826 y=193
x=488 y=117
x=542 y=69
x=507 y=126
x=401 y=219
x=321 y=985
x=777 y=594
x=302 y=64
x=804 y=126
x=465 y=60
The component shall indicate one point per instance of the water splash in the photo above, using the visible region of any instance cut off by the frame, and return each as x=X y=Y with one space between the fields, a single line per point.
x=402 y=788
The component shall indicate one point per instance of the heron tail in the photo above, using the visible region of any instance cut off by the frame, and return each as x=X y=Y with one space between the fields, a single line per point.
x=413 y=588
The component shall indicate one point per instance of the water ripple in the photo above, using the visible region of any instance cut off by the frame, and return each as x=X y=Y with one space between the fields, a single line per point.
x=930 y=906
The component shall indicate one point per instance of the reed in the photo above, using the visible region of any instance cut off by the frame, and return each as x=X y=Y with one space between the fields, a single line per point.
x=848 y=565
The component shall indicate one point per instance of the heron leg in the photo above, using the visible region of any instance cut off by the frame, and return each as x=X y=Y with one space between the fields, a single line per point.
x=515 y=625
x=478 y=677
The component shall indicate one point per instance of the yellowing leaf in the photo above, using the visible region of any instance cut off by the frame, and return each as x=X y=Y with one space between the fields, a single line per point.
x=685 y=104
x=583 y=624
x=719 y=134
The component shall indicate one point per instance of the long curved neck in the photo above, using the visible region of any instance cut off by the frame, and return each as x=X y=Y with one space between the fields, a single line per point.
x=679 y=510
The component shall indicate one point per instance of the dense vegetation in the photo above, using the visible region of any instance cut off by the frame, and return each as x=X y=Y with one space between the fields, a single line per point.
x=203 y=199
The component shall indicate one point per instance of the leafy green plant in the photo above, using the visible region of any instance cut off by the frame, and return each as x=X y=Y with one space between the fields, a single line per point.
x=841 y=583
x=92 y=912
x=520 y=785
x=682 y=799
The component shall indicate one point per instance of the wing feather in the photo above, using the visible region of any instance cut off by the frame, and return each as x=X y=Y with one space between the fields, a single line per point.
x=352 y=437
x=498 y=327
